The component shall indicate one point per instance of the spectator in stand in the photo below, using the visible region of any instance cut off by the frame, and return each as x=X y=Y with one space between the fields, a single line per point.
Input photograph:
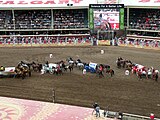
x=32 y=19
x=6 y=20
x=64 y=19
x=41 y=19
x=44 y=39
x=142 y=19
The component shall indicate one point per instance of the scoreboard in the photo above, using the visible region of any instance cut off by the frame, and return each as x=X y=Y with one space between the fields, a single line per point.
x=106 y=17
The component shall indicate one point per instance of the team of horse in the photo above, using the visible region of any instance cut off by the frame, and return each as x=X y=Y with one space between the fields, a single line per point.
x=138 y=69
x=127 y=64
x=100 y=68
x=24 y=68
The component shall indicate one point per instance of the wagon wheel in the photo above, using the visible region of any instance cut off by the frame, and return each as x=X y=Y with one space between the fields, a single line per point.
x=51 y=71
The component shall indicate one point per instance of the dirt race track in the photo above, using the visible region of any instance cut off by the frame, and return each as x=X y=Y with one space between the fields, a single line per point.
x=120 y=92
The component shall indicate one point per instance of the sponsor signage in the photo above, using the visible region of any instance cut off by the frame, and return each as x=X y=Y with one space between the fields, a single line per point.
x=140 y=2
x=44 y=3
x=104 y=42
x=92 y=65
x=107 y=1
x=121 y=19
x=91 y=21
x=63 y=3
x=51 y=3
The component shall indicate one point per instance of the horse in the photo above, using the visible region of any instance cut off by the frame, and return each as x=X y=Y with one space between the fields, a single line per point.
x=109 y=70
x=66 y=67
x=62 y=65
x=48 y=68
x=120 y=62
x=119 y=58
x=36 y=67
x=123 y=63
x=99 y=70
x=19 y=73
x=155 y=75
x=70 y=60
x=152 y=73
x=102 y=24
x=144 y=73
x=128 y=65
x=80 y=66
x=25 y=63
x=57 y=71
x=139 y=74
x=70 y=67
x=99 y=73
x=78 y=61
x=22 y=71
x=135 y=68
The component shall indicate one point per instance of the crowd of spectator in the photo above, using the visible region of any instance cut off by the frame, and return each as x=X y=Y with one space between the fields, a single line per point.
x=33 y=19
x=147 y=19
x=139 y=42
x=72 y=32
x=43 y=19
x=57 y=32
x=44 y=39
x=6 y=19
x=64 y=19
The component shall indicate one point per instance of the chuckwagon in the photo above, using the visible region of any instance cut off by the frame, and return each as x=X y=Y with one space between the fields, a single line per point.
x=8 y=72
x=49 y=68
x=91 y=67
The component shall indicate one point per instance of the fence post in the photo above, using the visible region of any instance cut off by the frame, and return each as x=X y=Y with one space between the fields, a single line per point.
x=53 y=96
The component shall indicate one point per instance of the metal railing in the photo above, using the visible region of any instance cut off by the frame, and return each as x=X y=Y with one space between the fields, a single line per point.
x=127 y=116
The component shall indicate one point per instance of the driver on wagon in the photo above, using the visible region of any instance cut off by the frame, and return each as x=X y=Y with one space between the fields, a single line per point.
x=2 y=68
x=47 y=64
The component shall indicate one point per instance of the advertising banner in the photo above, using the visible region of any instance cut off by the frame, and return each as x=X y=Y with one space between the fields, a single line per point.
x=121 y=19
x=107 y=1
x=104 y=42
x=44 y=3
x=63 y=3
x=140 y=2
x=91 y=19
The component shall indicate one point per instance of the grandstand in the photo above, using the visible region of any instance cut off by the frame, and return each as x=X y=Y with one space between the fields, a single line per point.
x=142 y=21
x=64 y=21
x=48 y=25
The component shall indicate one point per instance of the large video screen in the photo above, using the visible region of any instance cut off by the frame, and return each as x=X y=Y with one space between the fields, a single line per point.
x=106 y=16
